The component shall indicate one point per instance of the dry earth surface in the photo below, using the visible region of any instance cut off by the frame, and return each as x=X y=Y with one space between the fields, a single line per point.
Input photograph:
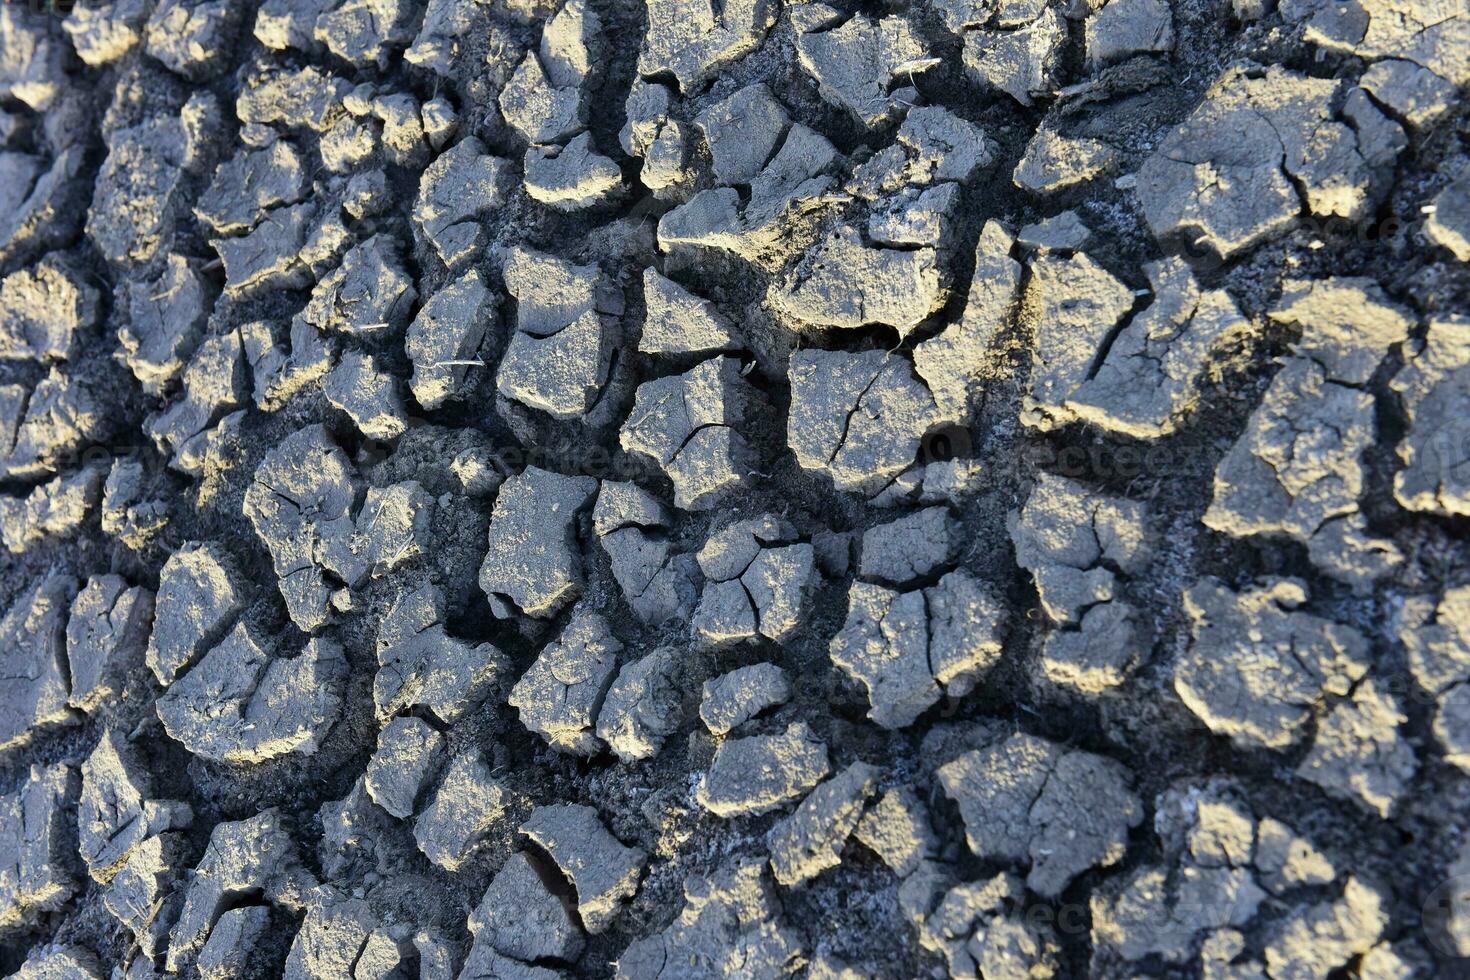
x=735 y=488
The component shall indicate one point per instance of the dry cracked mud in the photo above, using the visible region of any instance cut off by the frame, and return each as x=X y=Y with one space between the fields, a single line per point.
x=678 y=489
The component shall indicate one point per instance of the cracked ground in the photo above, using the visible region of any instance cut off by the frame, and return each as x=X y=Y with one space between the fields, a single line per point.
x=662 y=489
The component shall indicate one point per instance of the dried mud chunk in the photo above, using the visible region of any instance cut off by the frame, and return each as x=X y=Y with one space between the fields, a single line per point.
x=664 y=142
x=1256 y=666
x=1445 y=919
x=1435 y=387
x=1357 y=753
x=1437 y=637
x=1414 y=93
x=601 y=869
x=676 y=421
x=810 y=840
x=729 y=551
x=1347 y=324
x=1123 y=28
x=856 y=62
x=444 y=341
x=242 y=705
x=142 y=897
x=126 y=514
x=858 y=417
x=13 y=399
x=844 y=283
x=942 y=146
x=45 y=311
x=304 y=492
x=571 y=177
x=463 y=809
x=1071 y=538
x=641 y=708
x=897 y=829
x=531 y=567
x=392 y=529
x=339 y=937
x=1063 y=232
x=215 y=383
x=1298 y=464
x=354 y=834
x=408 y=753
x=1241 y=168
x=116 y=812
x=910 y=548
x=35 y=855
x=62 y=415
x=60 y=963
x=282 y=24
x=1297 y=471
x=915 y=218
x=622 y=504
x=166 y=318
x=632 y=528
x=421 y=665
x=758 y=584
x=743 y=131
x=950 y=363
x=304 y=98
x=34 y=683
x=1449 y=223
x=1024 y=63
x=692 y=40
x=560 y=696
x=560 y=354
x=105 y=638
x=1149 y=917
x=1431 y=37
x=1098 y=655
x=36 y=201
x=367 y=393
x=444 y=36
x=733 y=912
x=982 y=930
x=140 y=189
x=250 y=183
x=1075 y=305
x=455 y=191
x=795 y=182
x=545 y=100
x=1207 y=882
x=369 y=291
x=362 y=31
x=235 y=947
x=1316 y=940
x=679 y=322
x=1148 y=379
x=907 y=648
x=50 y=511
x=761 y=773
x=732 y=699
x=1054 y=163
x=31 y=58
x=102 y=35
x=198 y=596
x=193 y=37
x=271 y=253
x=540 y=110
x=254 y=857
x=1032 y=802
x=522 y=917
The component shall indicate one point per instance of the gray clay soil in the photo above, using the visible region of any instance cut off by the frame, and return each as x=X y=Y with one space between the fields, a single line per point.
x=702 y=488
